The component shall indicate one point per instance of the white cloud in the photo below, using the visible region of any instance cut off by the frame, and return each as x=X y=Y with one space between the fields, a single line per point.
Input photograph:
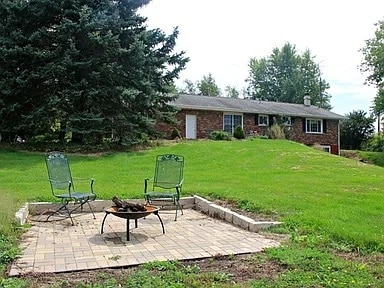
x=221 y=36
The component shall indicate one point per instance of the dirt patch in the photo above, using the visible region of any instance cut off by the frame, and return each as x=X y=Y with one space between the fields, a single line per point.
x=241 y=268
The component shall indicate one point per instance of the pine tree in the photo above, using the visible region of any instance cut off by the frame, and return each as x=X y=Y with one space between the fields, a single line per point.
x=88 y=67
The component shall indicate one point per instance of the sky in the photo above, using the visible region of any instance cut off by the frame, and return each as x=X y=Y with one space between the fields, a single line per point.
x=221 y=36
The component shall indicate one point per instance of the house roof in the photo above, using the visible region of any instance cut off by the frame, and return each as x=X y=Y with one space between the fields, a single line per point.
x=226 y=104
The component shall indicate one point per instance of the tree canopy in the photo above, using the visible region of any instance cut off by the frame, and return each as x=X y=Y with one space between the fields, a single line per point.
x=189 y=88
x=232 y=92
x=378 y=107
x=373 y=65
x=286 y=76
x=373 y=61
x=85 y=68
x=206 y=86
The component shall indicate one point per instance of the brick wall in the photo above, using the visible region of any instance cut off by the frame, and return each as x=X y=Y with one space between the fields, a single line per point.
x=206 y=122
x=328 y=138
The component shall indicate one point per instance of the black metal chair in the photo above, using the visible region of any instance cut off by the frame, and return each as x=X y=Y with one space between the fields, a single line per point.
x=63 y=187
x=167 y=181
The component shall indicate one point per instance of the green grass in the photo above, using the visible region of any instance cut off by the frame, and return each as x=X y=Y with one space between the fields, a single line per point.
x=326 y=202
x=311 y=190
x=9 y=231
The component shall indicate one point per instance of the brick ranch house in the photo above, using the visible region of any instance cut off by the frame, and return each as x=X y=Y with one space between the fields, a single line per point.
x=307 y=124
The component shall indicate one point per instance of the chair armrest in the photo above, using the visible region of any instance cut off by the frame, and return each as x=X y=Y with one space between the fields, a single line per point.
x=91 y=185
x=181 y=183
x=146 y=180
x=92 y=180
x=82 y=179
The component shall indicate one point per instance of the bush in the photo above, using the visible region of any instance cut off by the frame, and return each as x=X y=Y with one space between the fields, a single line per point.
x=239 y=133
x=374 y=144
x=175 y=134
x=276 y=132
x=219 y=135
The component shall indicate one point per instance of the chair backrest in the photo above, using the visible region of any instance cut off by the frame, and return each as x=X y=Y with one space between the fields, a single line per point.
x=59 y=172
x=168 y=171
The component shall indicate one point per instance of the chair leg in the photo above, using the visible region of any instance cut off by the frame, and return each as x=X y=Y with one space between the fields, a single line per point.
x=63 y=207
x=89 y=204
x=178 y=207
x=181 y=208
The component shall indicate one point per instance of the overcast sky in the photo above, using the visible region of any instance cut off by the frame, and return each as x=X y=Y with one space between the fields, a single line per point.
x=221 y=36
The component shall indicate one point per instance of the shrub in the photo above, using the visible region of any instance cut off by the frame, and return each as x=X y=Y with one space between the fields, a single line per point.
x=374 y=144
x=219 y=135
x=239 y=133
x=276 y=132
x=175 y=133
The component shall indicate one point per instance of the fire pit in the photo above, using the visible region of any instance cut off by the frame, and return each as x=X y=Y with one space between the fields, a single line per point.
x=114 y=210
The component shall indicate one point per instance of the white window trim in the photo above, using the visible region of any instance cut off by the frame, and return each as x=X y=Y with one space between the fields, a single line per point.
x=288 y=122
x=325 y=148
x=313 y=119
x=232 y=114
x=263 y=115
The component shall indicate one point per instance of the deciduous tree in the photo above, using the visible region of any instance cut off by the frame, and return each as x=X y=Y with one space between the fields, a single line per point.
x=373 y=52
x=286 y=76
x=189 y=88
x=378 y=107
x=207 y=86
x=232 y=92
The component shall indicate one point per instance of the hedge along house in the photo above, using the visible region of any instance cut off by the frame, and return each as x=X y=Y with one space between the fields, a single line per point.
x=198 y=116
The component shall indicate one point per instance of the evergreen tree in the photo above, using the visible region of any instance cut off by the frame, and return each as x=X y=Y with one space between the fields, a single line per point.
x=356 y=129
x=88 y=67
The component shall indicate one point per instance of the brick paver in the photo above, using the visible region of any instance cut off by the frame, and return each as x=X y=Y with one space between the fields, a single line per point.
x=58 y=247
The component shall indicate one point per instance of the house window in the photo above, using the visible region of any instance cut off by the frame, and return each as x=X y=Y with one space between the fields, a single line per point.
x=286 y=120
x=263 y=120
x=314 y=126
x=325 y=148
x=231 y=121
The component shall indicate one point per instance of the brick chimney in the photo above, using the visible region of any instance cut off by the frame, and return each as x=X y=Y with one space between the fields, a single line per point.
x=307 y=100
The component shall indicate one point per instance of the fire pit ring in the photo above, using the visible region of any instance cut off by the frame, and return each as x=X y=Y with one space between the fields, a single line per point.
x=128 y=215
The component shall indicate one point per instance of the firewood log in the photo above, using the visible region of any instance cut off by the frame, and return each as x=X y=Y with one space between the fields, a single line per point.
x=126 y=206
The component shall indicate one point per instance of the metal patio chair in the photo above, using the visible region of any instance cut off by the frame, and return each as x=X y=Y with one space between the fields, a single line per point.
x=63 y=186
x=167 y=181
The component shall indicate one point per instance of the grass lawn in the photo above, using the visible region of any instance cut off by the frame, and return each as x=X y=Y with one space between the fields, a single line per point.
x=329 y=204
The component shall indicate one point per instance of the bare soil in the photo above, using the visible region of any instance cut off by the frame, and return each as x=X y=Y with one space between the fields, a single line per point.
x=241 y=268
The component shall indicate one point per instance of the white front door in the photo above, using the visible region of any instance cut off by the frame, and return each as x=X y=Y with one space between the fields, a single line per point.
x=190 y=126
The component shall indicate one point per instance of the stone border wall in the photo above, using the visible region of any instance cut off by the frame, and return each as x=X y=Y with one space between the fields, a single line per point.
x=194 y=202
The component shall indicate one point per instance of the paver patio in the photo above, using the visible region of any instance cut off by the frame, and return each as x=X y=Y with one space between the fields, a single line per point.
x=59 y=247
